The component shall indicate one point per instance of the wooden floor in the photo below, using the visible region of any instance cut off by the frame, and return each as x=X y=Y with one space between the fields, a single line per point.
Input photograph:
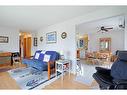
x=69 y=83
x=6 y=82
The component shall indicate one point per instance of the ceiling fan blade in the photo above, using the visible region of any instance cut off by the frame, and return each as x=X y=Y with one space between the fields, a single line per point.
x=109 y=28
x=105 y=29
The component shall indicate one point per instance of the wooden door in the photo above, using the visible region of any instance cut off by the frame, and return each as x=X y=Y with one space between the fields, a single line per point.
x=28 y=47
x=24 y=47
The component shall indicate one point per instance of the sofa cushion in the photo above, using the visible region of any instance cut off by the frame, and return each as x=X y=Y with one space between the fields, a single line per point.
x=39 y=55
x=40 y=65
x=53 y=55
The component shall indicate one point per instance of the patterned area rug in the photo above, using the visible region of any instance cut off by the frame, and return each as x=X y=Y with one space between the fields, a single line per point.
x=29 y=78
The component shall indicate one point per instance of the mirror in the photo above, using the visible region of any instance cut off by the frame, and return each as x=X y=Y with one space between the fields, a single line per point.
x=105 y=44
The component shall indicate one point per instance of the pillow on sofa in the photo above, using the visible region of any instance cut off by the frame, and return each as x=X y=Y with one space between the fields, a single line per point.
x=37 y=55
x=46 y=58
x=39 y=51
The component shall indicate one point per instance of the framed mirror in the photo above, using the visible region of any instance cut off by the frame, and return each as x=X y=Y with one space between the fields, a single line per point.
x=105 y=44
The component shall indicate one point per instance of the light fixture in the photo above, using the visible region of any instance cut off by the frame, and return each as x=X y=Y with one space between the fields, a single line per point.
x=122 y=22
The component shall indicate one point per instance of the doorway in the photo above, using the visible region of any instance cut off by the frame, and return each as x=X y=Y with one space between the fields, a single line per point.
x=25 y=44
x=97 y=42
x=108 y=28
x=82 y=45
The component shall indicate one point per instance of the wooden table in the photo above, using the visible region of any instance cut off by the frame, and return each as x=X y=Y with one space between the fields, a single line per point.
x=5 y=58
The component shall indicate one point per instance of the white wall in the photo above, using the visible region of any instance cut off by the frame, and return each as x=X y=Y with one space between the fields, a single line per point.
x=33 y=48
x=13 y=44
x=69 y=44
x=66 y=45
x=125 y=35
x=117 y=40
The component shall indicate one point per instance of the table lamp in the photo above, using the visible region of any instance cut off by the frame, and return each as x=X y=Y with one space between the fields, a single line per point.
x=61 y=55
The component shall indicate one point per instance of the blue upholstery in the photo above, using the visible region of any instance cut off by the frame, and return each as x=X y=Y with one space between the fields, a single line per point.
x=122 y=55
x=119 y=67
x=116 y=77
x=39 y=63
x=54 y=55
x=41 y=56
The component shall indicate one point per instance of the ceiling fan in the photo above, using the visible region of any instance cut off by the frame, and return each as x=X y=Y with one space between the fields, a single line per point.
x=104 y=29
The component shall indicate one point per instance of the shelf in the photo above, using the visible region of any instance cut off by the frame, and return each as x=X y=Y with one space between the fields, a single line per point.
x=63 y=66
x=61 y=71
x=67 y=69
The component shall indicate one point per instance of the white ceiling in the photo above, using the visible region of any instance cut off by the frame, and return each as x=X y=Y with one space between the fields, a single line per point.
x=94 y=26
x=31 y=18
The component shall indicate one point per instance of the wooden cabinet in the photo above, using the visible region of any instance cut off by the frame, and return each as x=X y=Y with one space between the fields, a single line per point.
x=5 y=58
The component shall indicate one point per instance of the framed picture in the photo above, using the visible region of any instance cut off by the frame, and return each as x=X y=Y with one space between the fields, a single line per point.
x=51 y=37
x=35 y=41
x=4 y=39
x=80 y=43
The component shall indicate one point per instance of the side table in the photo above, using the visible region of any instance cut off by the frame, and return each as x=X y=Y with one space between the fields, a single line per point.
x=63 y=66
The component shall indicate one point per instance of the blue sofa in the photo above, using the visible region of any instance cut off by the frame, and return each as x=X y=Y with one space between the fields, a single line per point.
x=42 y=60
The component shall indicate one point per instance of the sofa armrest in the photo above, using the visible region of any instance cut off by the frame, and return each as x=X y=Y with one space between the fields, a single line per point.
x=120 y=81
x=103 y=70
x=49 y=69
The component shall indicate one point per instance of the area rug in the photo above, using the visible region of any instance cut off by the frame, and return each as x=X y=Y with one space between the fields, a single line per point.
x=29 y=78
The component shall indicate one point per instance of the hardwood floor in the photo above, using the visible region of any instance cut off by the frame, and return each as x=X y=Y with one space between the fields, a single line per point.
x=6 y=82
x=69 y=83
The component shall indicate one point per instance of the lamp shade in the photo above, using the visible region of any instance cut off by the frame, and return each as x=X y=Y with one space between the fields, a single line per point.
x=61 y=52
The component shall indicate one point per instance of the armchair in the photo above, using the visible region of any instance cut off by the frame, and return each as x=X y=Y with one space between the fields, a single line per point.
x=16 y=60
x=116 y=77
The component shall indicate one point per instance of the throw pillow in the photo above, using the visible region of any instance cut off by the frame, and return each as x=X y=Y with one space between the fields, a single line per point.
x=37 y=55
x=46 y=58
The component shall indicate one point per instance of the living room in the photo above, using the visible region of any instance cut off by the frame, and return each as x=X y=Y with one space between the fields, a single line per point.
x=65 y=45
